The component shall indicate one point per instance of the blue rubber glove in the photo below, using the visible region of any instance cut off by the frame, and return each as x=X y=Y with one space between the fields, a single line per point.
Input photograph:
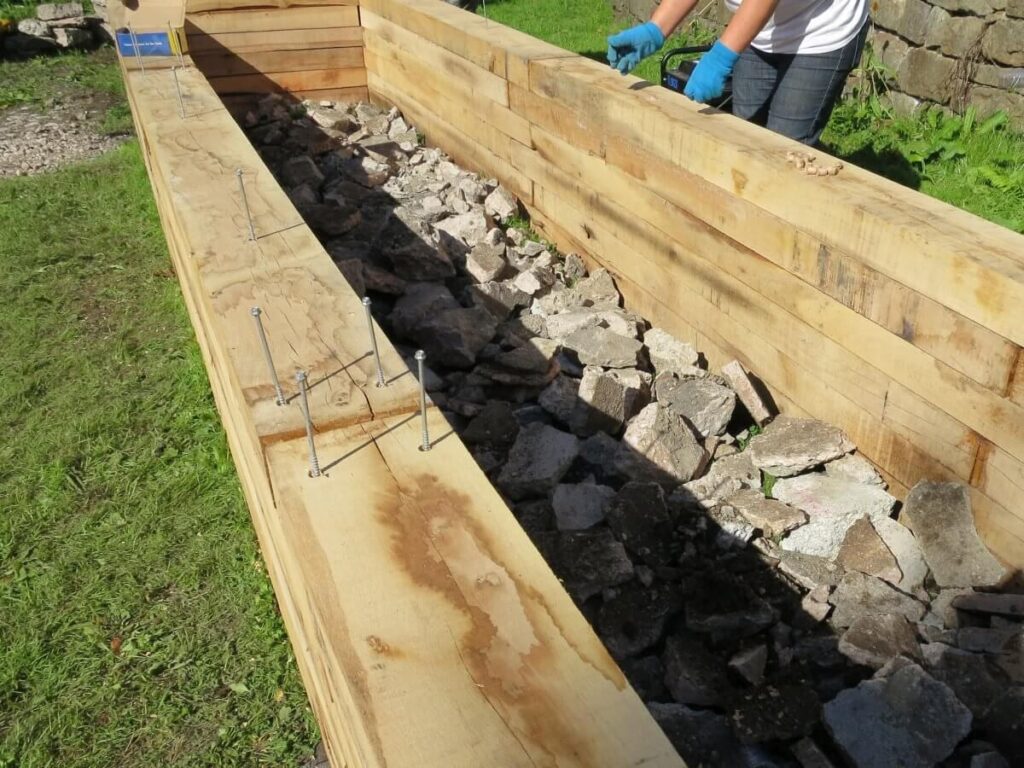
x=627 y=48
x=708 y=79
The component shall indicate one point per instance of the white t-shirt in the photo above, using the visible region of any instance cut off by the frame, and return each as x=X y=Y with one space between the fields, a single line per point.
x=809 y=26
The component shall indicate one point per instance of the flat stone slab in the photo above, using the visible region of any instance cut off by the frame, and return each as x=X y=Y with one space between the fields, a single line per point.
x=667 y=353
x=707 y=406
x=582 y=506
x=939 y=514
x=725 y=477
x=906 y=720
x=856 y=469
x=998 y=604
x=789 y=446
x=600 y=346
x=747 y=391
x=861 y=595
x=659 y=446
x=773 y=518
x=908 y=553
x=874 y=641
x=539 y=458
x=863 y=550
x=694 y=675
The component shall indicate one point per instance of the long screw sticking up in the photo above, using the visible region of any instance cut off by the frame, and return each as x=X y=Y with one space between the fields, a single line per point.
x=420 y=357
x=245 y=203
x=314 y=462
x=373 y=342
x=177 y=87
x=135 y=47
x=256 y=312
x=174 y=42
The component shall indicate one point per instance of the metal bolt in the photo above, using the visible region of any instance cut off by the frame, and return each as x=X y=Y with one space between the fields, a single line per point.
x=420 y=357
x=314 y=463
x=135 y=46
x=373 y=342
x=256 y=312
x=177 y=87
x=245 y=204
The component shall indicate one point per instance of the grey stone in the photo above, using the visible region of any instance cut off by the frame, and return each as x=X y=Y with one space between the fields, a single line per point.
x=989 y=760
x=331 y=220
x=975 y=682
x=942 y=613
x=1003 y=725
x=380 y=280
x=939 y=514
x=72 y=38
x=732 y=530
x=860 y=595
x=599 y=346
x=499 y=298
x=914 y=22
x=639 y=517
x=496 y=424
x=486 y=263
x=522 y=328
x=34 y=27
x=303 y=196
x=560 y=397
x=810 y=571
x=580 y=506
x=773 y=518
x=55 y=11
x=539 y=458
x=707 y=406
x=599 y=450
x=501 y=204
x=597 y=291
x=454 y=337
x=906 y=720
x=634 y=620
x=776 y=713
x=693 y=675
x=832 y=506
x=534 y=280
x=890 y=49
x=957 y=35
x=301 y=170
x=616 y=320
x=420 y=301
x=1015 y=9
x=723 y=606
x=975 y=7
x=468 y=229
x=701 y=737
x=904 y=547
x=407 y=244
x=863 y=550
x=1006 y=604
x=1004 y=42
x=352 y=271
x=669 y=354
x=725 y=477
x=750 y=663
x=991 y=100
x=990 y=640
x=789 y=446
x=810 y=755
x=874 y=640
x=855 y=469
x=927 y=75
x=607 y=399
x=747 y=391
x=658 y=445
x=647 y=676
x=586 y=561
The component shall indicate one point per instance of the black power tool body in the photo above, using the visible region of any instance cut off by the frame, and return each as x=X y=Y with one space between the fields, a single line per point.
x=675 y=74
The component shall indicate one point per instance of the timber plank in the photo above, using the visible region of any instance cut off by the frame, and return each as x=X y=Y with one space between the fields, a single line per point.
x=198 y=6
x=906 y=236
x=272 y=19
x=245 y=62
x=277 y=40
x=290 y=82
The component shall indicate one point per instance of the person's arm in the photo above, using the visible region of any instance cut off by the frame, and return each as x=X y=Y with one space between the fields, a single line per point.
x=748 y=20
x=670 y=14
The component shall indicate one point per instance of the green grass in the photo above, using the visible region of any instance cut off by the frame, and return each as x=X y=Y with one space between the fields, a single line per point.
x=952 y=159
x=23 y=9
x=137 y=625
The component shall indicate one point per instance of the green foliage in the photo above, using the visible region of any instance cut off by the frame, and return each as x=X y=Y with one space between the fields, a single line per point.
x=137 y=623
x=44 y=79
x=767 y=484
x=753 y=432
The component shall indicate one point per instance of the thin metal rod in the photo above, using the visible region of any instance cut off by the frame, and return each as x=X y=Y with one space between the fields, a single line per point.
x=373 y=342
x=245 y=203
x=420 y=357
x=172 y=36
x=138 y=51
x=314 y=462
x=256 y=312
x=177 y=87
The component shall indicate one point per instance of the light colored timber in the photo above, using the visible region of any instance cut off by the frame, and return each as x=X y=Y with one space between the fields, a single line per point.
x=272 y=20
x=428 y=629
x=278 y=40
x=256 y=63
x=290 y=82
x=198 y=6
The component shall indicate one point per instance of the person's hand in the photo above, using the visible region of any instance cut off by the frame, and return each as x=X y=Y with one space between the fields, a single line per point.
x=708 y=79
x=626 y=49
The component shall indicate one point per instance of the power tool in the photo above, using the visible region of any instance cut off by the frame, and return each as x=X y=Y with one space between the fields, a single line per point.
x=675 y=76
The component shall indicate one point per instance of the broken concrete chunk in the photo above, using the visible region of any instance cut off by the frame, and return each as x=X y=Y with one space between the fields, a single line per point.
x=599 y=346
x=906 y=720
x=693 y=675
x=501 y=204
x=586 y=561
x=486 y=263
x=732 y=530
x=940 y=516
x=496 y=424
x=607 y=399
x=832 y=506
x=640 y=519
x=861 y=595
x=773 y=518
x=975 y=682
x=668 y=354
x=454 y=337
x=942 y=613
x=57 y=11
x=72 y=38
x=874 y=640
x=724 y=606
x=660 y=446
x=634 y=620
x=810 y=571
x=810 y=755
x=904 y=547
x=707 y=406
x=301 y=170
x=420 y=301
x=863 y=550
x=748 y=393
x=725 y=477
x=1003 y=725
x=539 y=458
x=701 y=737
x=789 y=446
x=580 y=506
x=854 y=468
x=776 y=713
x=560 y=398
x=469 y=228
x=750 y=663
x=616 y=320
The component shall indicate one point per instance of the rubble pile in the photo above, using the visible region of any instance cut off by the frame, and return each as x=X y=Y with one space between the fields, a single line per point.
x=56 y=26
x=749 y=573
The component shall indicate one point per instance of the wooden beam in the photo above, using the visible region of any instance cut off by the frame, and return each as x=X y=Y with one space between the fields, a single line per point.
x=278 y=40
x=272 y=20
x=275 y=62
x=290 y=82
x=198 y=6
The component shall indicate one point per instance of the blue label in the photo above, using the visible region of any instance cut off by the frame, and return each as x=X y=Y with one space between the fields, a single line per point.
x=148 y=44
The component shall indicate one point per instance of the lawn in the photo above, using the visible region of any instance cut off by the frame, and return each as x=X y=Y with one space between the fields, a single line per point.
x=137 y=623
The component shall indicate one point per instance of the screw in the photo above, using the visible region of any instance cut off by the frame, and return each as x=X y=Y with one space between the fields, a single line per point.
x=135 y=45
x=420 y=357
x=314 y=463
x=177 y=86
x=373 y=342
x=174 y=42
x=256 y=312
x=245 y=203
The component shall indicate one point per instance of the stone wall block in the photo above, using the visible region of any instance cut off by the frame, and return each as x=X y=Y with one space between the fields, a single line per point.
x=956 y=35
x=890 y=49
x=1004 y=42
x=915 y=21
x=974 y=7
x=1015 y=9
x=887 y=14
x=988 y=100
x=927 y=75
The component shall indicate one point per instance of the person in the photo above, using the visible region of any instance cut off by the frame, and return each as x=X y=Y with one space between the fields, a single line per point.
x=789 y=59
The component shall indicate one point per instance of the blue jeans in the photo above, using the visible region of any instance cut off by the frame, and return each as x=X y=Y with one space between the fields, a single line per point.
x=793 y=93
